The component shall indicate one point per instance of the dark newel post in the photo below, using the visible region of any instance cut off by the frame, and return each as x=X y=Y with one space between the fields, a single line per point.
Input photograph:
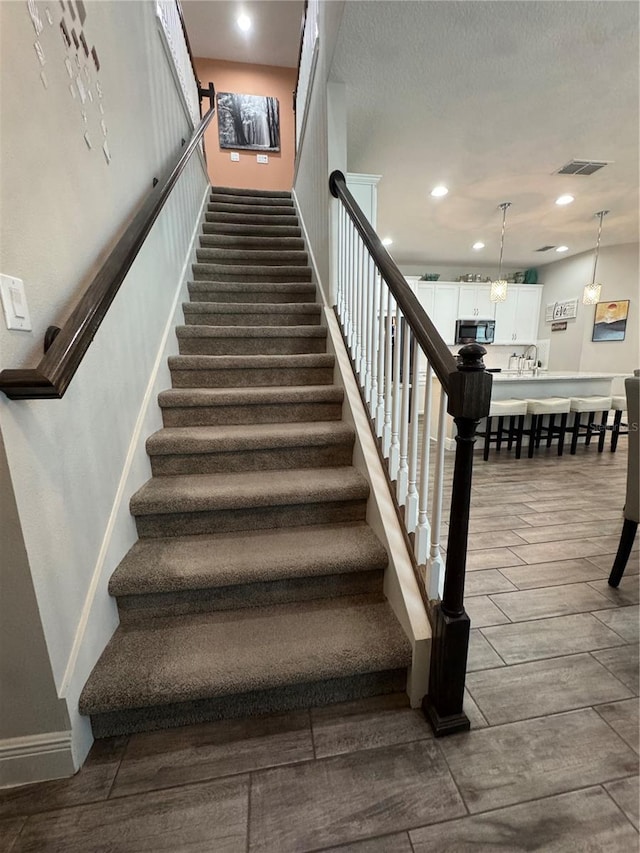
x=469 y=400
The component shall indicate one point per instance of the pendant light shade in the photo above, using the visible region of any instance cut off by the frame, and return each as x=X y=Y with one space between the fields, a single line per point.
x=498 y=292
x=591 y=295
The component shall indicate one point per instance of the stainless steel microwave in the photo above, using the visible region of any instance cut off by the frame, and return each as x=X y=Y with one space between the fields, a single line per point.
x=475 y=331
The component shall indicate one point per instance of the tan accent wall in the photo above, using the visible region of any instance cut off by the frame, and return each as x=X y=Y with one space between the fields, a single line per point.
x=242 y=79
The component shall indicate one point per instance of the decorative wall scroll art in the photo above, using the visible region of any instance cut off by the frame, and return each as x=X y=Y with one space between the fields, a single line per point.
x=248 y=122
x=610 y=321
x=565 y=310
x=67 y=21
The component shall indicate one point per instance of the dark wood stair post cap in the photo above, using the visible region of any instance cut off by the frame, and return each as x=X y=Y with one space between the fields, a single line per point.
x=471 y=356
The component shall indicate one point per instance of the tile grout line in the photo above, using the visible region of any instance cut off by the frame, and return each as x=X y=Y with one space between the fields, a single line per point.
x=116 y=774
x=610 y=671
x=624 y=814
x=313 y=740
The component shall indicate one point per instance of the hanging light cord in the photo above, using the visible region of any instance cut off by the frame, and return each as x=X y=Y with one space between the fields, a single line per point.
x=601 y=214
x=503 y=206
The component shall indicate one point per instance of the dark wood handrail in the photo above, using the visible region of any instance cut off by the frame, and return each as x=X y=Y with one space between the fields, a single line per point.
x=428 y=337
x=51 y=378
x=468 y=387
x=469 y=390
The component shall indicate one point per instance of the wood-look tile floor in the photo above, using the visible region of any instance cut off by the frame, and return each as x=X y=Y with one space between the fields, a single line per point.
x=550 y=764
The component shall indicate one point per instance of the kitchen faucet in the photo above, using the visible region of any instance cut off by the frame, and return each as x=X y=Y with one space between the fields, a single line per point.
x=527 y=354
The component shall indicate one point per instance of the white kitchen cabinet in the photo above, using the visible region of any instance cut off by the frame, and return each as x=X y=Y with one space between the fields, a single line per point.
x=518 y=316
x=475 y=303
x=440 y=301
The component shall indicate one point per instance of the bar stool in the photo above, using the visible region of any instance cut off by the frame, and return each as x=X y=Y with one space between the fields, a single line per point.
x=590 y=405
x=502 y=409
x=550 y=406
x=619 y=406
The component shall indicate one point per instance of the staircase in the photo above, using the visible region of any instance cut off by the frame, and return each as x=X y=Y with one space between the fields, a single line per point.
x=255 y=584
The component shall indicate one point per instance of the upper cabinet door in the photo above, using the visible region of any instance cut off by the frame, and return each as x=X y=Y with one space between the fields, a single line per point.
x=475 y=303
x=486 y=308
x=425 y=291
x=445 y=311
x=528 y=314
x=506 y=318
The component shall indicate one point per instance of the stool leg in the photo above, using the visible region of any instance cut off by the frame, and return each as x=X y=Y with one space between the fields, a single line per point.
x=539 y=430
x=587 y=440
x=499 y=433
x=603 y=431
x=617 y=418
x=562 y=433
x=574 y=434
x=532 y=435
x=487 y=439
x=519 y=436
x=512 y=427
x=552 y=421
x=624 y=549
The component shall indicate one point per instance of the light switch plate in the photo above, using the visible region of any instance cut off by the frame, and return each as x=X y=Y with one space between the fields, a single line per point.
x=262 y=158
x=14 y=303
x=235 y=157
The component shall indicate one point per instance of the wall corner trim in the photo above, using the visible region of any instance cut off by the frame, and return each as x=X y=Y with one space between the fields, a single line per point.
x=35 y=758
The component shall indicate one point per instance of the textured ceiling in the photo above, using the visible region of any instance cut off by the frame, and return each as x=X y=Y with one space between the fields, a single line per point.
x=492 y=98
x=273 y=40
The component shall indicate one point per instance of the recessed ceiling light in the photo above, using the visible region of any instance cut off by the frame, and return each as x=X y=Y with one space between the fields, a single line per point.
x=562 y=249
x=564 y=199
x=478 y=245
x=244 y=22
x=439 y=191
x=387 y=241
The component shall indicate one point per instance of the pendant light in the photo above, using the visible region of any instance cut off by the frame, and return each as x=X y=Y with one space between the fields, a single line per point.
x=499 y=286
x=591 y=295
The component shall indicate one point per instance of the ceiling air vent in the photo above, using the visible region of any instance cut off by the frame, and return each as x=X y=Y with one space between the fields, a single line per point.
x=582 y=167
x=544 y=248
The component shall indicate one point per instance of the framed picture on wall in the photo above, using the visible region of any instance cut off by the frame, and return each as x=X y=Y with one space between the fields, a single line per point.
x=610 y=321
x=248 y=122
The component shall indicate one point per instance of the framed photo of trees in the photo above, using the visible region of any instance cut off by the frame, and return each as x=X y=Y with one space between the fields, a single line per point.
x=248 y=122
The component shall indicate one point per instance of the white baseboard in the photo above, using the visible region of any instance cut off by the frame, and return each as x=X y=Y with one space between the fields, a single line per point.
x=35 y=758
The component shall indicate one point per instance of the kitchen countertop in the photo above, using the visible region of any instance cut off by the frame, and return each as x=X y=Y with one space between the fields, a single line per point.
x=552 y=384
x=551 y=376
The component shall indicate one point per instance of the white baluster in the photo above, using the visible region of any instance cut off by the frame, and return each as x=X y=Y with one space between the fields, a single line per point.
x=358 y=305
x=368 y=326
x=403 y=469
x=388 y=385
x=340 y=299
x=381 y=355
x=435 y=565
x=348 y=328
x=364 y=288
x=423 y=532
x=411 y=504
x=373 y=340
x=354 y=291
x=394 y=451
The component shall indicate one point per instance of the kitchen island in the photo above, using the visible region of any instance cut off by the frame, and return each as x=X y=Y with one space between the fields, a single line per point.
x=508 y=384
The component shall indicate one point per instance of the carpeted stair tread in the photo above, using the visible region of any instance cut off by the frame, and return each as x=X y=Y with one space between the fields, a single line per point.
x=253 y=256
x=243 y=192
x=247 y=490
x=251 y=331
x=232 y=198
x=253 y=556
x=208 y=290
x=186 y=658
x=251 y=210
x=244 y=362
x=243 y=229
x=291 y=394
x=252 y=308
x=255 y=218
x=240 y=241
x=247 y=272
x=216 y=439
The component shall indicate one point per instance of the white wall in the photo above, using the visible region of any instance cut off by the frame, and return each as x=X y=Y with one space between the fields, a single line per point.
x=75 y=462
x=573 y=349
x=311 y=178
